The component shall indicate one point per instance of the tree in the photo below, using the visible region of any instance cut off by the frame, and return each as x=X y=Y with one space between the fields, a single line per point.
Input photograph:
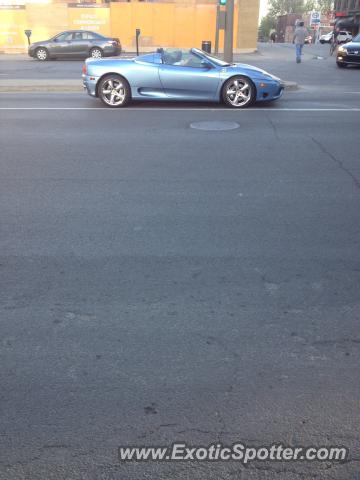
x=267 y=24
x=282 y=7
x=325 y=6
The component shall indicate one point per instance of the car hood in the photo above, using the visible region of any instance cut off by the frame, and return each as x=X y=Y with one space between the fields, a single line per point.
x=259 y=72
x=36 y=44
x=352 y=44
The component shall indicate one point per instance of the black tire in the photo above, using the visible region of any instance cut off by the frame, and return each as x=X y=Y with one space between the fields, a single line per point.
x=341 y=65
x=243 y=92
x=322 y=42
x=42 y=54
x=114 y=91
x=96 y=52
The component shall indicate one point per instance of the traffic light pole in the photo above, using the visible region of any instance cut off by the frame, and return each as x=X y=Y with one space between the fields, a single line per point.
x=217 y=29
x=229 y=32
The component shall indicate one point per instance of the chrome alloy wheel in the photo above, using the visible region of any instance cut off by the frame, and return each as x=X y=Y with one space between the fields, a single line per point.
x=41 y=54
x=113 y=92
x=96 y=53
x=239 y=93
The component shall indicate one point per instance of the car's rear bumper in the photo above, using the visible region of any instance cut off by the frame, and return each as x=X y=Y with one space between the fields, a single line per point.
x=112 y=51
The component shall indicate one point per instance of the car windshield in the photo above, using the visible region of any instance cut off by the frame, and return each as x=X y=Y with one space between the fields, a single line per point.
x=213 y=59
x=357 y=38
x=184 y=57
x=64 y=37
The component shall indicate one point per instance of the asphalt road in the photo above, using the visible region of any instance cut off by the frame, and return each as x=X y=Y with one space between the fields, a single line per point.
x=160 y=283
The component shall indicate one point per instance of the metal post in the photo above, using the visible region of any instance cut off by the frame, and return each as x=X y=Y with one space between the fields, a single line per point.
x=229 y=32
x=28 y=34
x=217 y=29
x=137 y=40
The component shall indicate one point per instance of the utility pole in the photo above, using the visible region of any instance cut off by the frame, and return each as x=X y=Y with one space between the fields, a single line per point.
x=217 y=29
x=220 y=22
x=229 y=32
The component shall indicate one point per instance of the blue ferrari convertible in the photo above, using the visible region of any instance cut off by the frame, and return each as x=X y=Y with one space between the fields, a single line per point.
x=175 y=74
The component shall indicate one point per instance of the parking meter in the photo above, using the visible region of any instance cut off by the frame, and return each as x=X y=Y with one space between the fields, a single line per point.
x=28 y=34
x=138 y=31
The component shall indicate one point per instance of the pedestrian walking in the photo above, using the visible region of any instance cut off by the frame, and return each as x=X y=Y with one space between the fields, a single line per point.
x=273 y=36
x=300 y=35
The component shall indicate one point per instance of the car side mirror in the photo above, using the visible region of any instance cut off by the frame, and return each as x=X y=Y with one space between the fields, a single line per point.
x=206 y=64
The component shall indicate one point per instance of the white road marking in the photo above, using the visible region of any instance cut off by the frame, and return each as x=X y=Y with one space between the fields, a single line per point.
x=190 y=109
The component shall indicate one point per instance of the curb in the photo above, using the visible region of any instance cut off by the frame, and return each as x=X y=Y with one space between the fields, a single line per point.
x=18 y=85
x=291 y=86
x=41 y=88
x=72 y=86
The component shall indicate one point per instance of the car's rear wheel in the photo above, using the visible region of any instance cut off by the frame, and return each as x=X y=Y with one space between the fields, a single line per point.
x=114 y=91
x=41 y=54
x=96 y=52
x=239 y=92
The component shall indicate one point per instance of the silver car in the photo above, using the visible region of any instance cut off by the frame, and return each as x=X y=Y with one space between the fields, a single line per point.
x=75 y=43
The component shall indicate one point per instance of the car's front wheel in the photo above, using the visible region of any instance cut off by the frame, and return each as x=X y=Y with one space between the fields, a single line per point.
x=41 y=54
x=96 y=52
x=239 y=92
x=341 y=65
x=114 y=91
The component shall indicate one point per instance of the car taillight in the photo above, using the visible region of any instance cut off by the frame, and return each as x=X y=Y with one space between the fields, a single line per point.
x=84 y=69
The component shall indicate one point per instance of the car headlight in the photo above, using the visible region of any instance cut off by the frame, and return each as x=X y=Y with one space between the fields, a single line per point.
x=342 y=50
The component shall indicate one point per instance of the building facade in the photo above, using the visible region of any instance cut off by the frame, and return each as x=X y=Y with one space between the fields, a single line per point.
x=347 y=15
x=170 y=23
x=285 y=27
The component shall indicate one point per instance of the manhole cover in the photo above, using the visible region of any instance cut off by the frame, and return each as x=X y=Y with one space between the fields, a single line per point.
x=214 y=126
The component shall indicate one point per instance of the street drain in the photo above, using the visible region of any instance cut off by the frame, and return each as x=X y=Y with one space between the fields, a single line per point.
x=214 y=126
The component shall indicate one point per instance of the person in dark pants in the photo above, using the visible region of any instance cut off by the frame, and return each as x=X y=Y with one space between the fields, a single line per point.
x=299 y=39
x=273 y=37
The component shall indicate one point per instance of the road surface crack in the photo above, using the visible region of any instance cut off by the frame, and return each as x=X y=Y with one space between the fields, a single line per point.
x=338 y=162
x=274 y=127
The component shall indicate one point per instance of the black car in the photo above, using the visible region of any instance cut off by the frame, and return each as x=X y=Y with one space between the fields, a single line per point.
x=349 y=53
x=75 y=43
